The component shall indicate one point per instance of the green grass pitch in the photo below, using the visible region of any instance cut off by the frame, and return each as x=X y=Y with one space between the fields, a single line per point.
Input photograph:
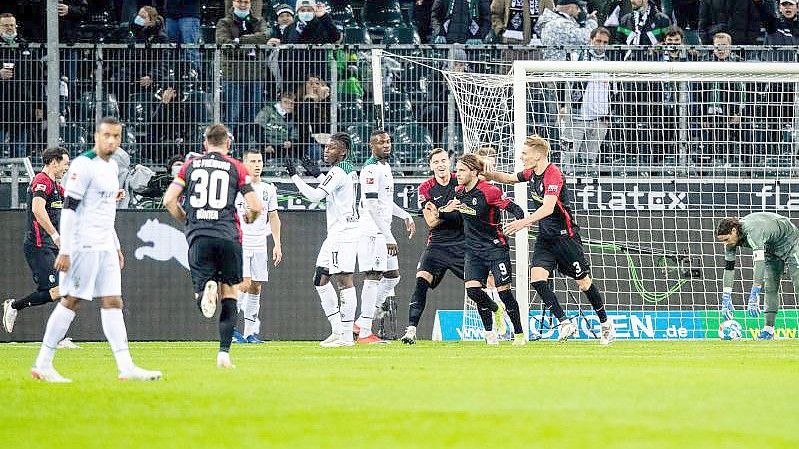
x=432 y=395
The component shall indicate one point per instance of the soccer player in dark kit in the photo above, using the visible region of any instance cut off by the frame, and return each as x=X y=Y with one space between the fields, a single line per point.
x=212 y=228
x=486 y=251
x=45 y=200
x=558 y=243
x=444 y=241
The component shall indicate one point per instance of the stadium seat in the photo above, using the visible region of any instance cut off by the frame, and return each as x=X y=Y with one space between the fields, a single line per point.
x=355 y=34
x=343 y=17
x=378 y=16
x=360 y=142
x=398 y=108
x=399 y=35
x=74 y=138
x=410 y=142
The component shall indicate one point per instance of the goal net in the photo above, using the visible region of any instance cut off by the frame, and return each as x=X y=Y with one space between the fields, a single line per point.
x=655 y=154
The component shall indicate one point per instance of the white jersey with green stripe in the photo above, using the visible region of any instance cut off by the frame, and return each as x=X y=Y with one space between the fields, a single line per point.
x=340 y=205
x=377 y=182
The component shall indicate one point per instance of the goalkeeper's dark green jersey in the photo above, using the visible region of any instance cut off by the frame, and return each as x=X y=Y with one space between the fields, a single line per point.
x=769 y=235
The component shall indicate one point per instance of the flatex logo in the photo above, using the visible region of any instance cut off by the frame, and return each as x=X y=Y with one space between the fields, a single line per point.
x=595 y=197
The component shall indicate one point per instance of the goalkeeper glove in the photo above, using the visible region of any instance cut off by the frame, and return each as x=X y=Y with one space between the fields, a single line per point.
x=290 y=168
x=754 y=304
x=726 y=305
x=311 y=169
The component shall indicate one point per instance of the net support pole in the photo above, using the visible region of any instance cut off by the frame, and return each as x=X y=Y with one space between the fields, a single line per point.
x=377 y=87
x=522 y=242
x=53 y=79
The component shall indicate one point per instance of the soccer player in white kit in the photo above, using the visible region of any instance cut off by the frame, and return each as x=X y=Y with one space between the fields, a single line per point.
x=338 y=252
x=255 y=253
x=90 y=259
x=377 y=248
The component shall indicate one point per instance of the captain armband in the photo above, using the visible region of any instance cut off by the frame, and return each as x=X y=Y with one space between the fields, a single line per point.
x=71 y=203
x=246 y=188
x=759 y=255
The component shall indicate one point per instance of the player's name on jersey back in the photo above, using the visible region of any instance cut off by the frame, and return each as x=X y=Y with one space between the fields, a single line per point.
x=206 y=214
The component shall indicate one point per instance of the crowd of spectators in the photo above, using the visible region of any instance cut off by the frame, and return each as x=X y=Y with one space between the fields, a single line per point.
x=281 y=101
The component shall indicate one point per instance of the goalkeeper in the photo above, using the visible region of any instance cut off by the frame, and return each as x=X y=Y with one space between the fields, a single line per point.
x=773 y=240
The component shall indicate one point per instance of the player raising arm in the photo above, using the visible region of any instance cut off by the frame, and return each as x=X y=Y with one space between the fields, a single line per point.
x=212 y=182
x=486 y=250
x=558 y=243
x=338 y=252
x=772 y=239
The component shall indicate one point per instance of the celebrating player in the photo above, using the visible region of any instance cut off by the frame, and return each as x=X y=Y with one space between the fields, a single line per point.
x=445 y=244
x=254 y=236
x=45 y=200
x=212 y=182
x=558 y=243
x=772 y=239
x=377 y=248
x=338 y=252
x=90 y=257
x=487 y=250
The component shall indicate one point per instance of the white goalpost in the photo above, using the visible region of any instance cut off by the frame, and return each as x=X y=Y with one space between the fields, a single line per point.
x=654 y=154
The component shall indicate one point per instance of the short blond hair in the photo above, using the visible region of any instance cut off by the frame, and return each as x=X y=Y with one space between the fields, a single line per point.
x=486 y=151
x=537 y=143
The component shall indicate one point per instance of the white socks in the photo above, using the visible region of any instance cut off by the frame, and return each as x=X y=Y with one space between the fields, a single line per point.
x=368 y=301
x=386 y=287
x=117 y=336
x=241 y=299
x=329 y=300
x=252 y=305
x=349 y=302
x=56 y=330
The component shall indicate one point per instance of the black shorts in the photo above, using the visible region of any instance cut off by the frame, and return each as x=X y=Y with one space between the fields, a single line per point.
x=477 y=268
x=41 y=261
x=214 y=259
x=437 y=259
x=565 y=253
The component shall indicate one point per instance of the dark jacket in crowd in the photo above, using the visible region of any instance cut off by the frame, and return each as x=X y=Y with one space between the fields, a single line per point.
x=179 y=9
x=136 y=63
x=460 y=14
x=21 y=95
x=31 y=16
x=243 y=64
x=779 y=29
x=739 y=18
x=320 y=30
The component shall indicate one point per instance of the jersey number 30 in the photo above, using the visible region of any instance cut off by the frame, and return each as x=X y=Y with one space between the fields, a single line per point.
x=210 y=189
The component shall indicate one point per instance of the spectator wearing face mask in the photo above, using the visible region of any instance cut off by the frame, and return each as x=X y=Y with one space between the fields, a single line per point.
x=244 y=76
x=312 y=25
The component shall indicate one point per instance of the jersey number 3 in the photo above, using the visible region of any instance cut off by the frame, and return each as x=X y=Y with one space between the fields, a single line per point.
x=210 y=189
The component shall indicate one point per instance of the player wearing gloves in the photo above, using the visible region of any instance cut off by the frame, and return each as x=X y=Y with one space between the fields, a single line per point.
x=338 y=252
x=773 y=240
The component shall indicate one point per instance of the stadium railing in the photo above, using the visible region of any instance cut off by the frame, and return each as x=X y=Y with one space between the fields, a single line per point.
x=166 y=95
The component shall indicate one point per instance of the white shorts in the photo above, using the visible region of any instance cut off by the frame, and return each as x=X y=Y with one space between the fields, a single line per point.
x=337 y=256
x=373 y=254
x=92 y=274
x=255 y=264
